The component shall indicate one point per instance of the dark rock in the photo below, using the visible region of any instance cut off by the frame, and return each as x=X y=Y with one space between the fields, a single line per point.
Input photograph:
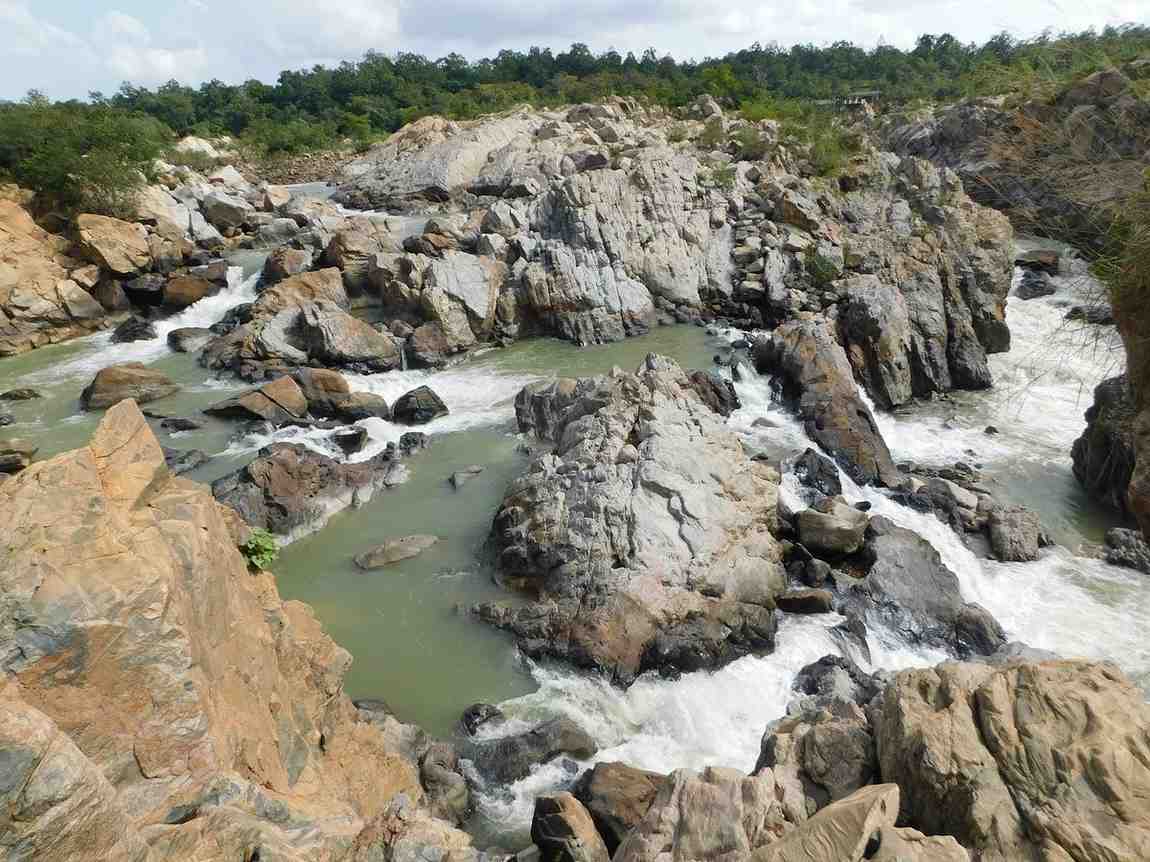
x=1127 y=548
x=236 y=316
x=1104 y=455
x=6 y=419
x=1034 y=284
x=412 y=441
x=183 y=460
x=460 y=477
x=563 y=831
x=1041 y=259
x=836 y=677
x=350 y=440
x=714 y=391
x=909 y=590
x=134 y=329
x=20 y=395
x=176 y=423
x=189 y=339
x=1095 y=315
x=990 y=430
x=418 y=407
x=617 y=796
x=16 y=455
x=818 y=472
x=146 y=291
x=477 y=715
x=511 y=758
x=810 y=601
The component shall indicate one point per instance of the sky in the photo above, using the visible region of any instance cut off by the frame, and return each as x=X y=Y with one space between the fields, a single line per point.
x=67 y=48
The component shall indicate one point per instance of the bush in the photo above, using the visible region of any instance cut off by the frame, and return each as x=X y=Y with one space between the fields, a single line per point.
x=713 y=136
x=272 y=139
x=261 y=549
x=822 y=270
x=197 y=161
x=677 y=133
x=80 y=158
x=752 y=144
x=724 y=176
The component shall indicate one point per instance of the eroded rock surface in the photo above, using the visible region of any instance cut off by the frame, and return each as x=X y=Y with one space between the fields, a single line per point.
x=645 y=536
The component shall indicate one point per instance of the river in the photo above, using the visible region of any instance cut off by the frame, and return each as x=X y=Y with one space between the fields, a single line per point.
x=414 y=648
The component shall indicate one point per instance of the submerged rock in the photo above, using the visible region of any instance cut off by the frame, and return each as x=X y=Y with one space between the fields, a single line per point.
x=24 y=394
x=646 y=535
x=132 y=380
x=189 y=339
x=394 y=551
x=16 y=454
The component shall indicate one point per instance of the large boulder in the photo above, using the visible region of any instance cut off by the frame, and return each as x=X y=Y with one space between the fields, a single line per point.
x=1021 y=761
x=120 y=247
x=330 y=397
x=331 y=336
x=134 y=328
x=354 y=246
x=185 y=290
x=1104 y=455
x=200 y=717
x=816 y=378
x=418 y=407
x=290 y=490
x=909 y=591
x=510 y=758
x=280 y=402
x=130 y=380
x=40 y=303
x=645 y=536
x=564 y=832
x=617 y=796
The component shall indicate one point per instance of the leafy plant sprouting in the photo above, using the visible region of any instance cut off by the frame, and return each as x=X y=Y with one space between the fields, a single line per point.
x=261 y=549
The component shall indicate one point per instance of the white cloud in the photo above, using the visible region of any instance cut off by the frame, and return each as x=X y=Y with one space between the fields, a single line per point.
x=238 y=39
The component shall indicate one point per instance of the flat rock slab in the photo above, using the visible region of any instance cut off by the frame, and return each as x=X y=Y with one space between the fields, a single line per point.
x=394 y=551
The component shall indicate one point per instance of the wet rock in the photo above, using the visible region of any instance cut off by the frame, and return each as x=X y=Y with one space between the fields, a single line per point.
x=446 y=788
x=1034 y=284
x=16 y=455
x=418 y=407
x=511 y=758
x=477 y=715
x=1020 y=761
x=461 y=477
x=147 y=291
x=715 y=391
x=394 y=551
x=134 y=329
x=185 y=290
x=280 y=402
x=617 y=797
x=564 y=832
x=176 y=423
x=184 y=460
x=130 y=380
x=24 y=394
x=284 y=262
x=6 y=419
x=189 y=339
x=806 y=602
x=835 y=532
x=911 y=592
x=351 y=440
x=329 y=396
x=235 y=316
x=1043 y=259
x=818 y=382
x=1095 y=315
x=1104 y=455
x=818 y=472
x=412 y=441
x=1127 y=548
x=1015 y=534
x=634 y=534
x=290 y=490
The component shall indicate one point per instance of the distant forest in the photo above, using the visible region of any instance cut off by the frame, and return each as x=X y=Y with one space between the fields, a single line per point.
x=380 y=93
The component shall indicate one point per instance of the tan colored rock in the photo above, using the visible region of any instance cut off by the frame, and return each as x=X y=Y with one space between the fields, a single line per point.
x=1024 y=761
x=617 y=796
x=564 y=832
x=180 y=703
x=118 y=246
x=842 y=831
x=130 y=380
x=274 y=197
x=280 y=401
x=185 y=290
x=323 y=284
x=39 y=303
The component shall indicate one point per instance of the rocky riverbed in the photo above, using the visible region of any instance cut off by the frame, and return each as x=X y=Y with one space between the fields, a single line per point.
x=662 y=489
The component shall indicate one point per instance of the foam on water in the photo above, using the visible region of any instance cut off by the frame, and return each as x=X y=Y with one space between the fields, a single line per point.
x=99 y=351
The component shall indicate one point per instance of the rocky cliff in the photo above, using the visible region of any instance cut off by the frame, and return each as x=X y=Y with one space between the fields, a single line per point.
x=159 y=700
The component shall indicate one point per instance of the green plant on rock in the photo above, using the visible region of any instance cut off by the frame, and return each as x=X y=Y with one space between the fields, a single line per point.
x=200 y=162
x=723 y=176
x=713 y=136
x=677 y=133
x=821 y=269
x=260 y=549
x=752 y=144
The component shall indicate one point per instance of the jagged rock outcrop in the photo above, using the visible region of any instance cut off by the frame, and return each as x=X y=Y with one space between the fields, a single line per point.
x=1022 y=761
x=160 y=701
x=40 y=303
x=645 y=537
x=816 y=379
x=1104 y=455
x=291 y=490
